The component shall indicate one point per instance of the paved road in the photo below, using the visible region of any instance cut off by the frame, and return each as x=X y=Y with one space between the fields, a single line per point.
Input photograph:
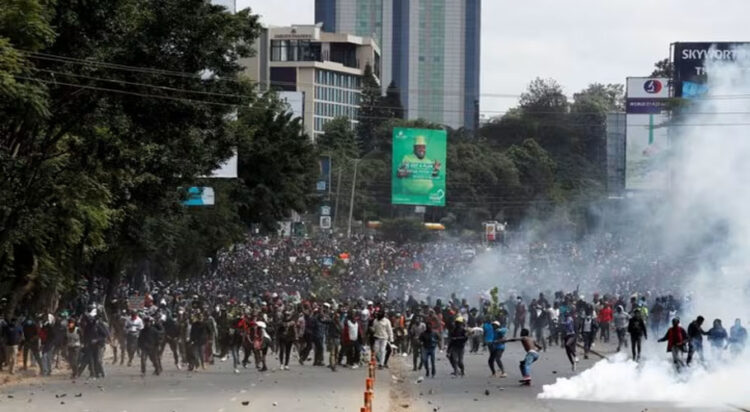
x=478 y=392
x=309 y=388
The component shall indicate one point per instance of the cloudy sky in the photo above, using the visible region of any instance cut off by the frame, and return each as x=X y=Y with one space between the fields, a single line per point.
x=575 y=42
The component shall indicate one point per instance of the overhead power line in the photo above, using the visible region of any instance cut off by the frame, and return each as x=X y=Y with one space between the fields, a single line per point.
x=163 y=72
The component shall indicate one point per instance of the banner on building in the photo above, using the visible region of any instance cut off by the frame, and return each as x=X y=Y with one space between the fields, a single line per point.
x=419 y=169
x=690 y=64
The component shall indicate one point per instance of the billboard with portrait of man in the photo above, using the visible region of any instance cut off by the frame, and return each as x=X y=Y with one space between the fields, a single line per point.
x=418 y=172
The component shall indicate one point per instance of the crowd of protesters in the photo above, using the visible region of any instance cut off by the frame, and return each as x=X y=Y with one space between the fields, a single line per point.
x=262 y=299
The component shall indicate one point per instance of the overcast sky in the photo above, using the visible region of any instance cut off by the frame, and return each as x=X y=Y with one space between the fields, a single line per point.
x=575 y=42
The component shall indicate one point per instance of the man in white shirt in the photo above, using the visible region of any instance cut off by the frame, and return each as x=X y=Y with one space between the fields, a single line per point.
x=383 y=332
x=133 y=327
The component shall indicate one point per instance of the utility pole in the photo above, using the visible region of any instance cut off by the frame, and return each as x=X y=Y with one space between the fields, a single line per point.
x=351 y=200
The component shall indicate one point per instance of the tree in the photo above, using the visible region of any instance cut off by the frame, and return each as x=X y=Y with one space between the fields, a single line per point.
x=391 y=102
x=92 y=158
x=370 y=112
x=544 y=96
x=277 y=163
x=338 y=140
x=663 y=68
x=599 y=98
x=536 y=169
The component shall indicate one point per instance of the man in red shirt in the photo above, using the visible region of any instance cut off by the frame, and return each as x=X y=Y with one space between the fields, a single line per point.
x=605 y=319
x=676 y=339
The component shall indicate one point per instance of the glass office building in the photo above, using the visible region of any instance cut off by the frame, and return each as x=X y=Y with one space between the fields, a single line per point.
x=430 y=50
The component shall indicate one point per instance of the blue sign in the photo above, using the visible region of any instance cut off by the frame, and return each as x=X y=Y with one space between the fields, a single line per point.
x=199 y=196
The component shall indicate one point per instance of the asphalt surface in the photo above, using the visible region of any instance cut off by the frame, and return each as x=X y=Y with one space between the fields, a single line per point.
x=478 y=392
x=308 y=388
x=217 y=389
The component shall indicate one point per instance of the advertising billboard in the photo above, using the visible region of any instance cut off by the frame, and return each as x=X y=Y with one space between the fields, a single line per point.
x=690 y=60
x=646 y=95
x=646 y=140
x=419 y=170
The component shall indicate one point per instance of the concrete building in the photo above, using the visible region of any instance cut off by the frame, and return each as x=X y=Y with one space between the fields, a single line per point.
x=431 y=51
x=326 y=67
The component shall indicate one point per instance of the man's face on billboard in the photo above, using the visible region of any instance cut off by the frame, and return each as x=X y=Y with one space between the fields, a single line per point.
x=420 y=150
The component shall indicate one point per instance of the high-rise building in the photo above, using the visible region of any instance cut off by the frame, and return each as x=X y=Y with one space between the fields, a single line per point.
x=324 y=69
x=431 y=51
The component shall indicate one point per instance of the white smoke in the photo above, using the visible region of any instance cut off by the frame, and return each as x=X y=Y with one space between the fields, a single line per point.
x=706 y=215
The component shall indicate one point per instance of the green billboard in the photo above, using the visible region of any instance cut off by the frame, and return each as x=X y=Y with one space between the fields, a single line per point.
x=418 y=173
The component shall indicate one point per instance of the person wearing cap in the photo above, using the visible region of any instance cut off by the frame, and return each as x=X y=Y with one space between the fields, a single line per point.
x=456 y=345
x=497 y=348
x=417 y=170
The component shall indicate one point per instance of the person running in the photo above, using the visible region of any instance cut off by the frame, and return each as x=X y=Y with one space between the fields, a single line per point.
x=148 y=343
x=621 y=320
x=287 y=337
x=695 y=339
x=531 y=347
x=73 y=345
x=637 y=330
x=261 y=342
x=428 y=341
x=497 y=347
x=133 y=327
x=456 y=345
x=717 y=335
x=676 y=338
x=416 y=327
x=569 y=340
x=737 y=338
x=588 y=329
x=383 y=333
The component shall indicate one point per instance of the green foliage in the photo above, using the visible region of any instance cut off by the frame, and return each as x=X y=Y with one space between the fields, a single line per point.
x=544 y=97
x=370 y=113
x=277 y=163
x=91 y=155
x=338 y=140
x=663 y=68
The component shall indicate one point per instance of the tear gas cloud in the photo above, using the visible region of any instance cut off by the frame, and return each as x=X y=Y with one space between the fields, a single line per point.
x=703 y=222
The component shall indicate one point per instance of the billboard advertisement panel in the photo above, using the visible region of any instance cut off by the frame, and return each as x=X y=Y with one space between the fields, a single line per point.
x=418 y=172
x=647 y=146
x=647 y=141
x=689 y=64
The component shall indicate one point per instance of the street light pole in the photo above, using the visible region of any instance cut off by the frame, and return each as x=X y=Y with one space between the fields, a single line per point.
x=351 y=200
